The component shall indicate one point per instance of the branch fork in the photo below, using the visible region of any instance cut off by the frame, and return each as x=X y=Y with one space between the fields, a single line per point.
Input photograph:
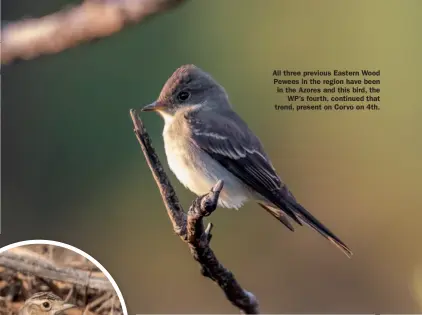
x=190 y=227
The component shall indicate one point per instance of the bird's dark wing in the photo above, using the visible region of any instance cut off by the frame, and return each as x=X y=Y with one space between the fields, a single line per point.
x=228 y=140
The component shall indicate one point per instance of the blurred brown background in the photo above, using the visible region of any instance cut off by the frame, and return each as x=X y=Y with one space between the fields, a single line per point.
x=73 y=171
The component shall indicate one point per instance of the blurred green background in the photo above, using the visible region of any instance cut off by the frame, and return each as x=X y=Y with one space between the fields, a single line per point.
x=74 y=172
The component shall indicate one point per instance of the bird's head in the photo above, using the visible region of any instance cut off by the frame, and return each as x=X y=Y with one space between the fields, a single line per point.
x=44 y=303
x=188 y=86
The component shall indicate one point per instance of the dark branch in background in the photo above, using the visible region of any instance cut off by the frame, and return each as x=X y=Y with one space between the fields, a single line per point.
x=51 y=34
x=190 y=226
x=45 y=269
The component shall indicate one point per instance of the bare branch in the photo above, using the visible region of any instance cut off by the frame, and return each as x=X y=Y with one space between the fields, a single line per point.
x=30 y=38
x=174 y=209
x=190 y=226
x=46 y=269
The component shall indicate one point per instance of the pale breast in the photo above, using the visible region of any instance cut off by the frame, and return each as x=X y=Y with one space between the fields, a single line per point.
x=196 y=170
x=185 y=163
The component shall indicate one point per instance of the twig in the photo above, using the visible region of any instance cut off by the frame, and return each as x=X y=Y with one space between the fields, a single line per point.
x=27 y=39
x=100 y=300
x=69 y=294
x=190 y=226
x=53 y=288
x=45 y=269
x=112 y=305
x=86 y=287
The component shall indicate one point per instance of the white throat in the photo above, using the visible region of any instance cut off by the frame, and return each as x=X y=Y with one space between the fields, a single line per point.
x=168 y=120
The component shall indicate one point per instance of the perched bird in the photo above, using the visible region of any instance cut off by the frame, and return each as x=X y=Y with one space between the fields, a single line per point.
x=44 y=303
x=206 y=141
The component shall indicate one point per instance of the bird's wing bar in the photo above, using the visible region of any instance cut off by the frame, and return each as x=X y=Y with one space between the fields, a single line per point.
x=228 y=140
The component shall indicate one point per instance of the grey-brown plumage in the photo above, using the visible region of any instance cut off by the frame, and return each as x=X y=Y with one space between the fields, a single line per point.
x=205 y=141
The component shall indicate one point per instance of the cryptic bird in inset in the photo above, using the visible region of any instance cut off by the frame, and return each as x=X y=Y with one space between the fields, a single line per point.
x=44 y=303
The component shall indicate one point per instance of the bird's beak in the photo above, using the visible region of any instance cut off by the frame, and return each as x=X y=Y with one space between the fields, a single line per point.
x=153 y=107
x=66 y=307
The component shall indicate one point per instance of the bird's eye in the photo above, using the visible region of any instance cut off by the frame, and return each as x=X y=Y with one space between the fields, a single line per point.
x=46 y=305
x=183 y=96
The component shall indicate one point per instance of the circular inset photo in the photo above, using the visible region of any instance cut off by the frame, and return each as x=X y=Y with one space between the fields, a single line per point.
x=42 y=277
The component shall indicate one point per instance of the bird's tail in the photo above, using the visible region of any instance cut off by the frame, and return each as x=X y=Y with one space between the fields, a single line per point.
x=278 y=214
x=289 y=205
x=304 y=216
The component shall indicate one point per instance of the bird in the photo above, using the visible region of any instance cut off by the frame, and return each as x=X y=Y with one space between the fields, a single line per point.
x=44 y=303
x=205 y=141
